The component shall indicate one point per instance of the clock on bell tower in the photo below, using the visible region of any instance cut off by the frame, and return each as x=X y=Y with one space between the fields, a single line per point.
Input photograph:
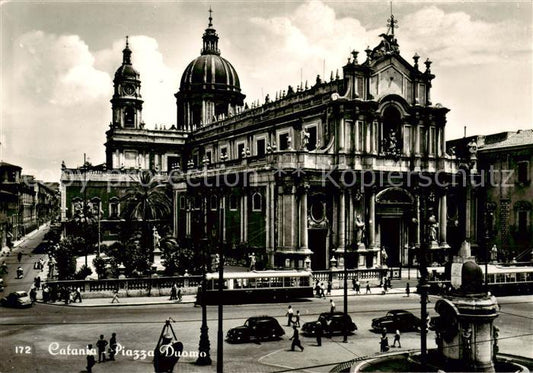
x=127 y=102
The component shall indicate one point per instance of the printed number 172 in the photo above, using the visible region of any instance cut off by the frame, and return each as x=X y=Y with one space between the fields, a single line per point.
x=23 y=349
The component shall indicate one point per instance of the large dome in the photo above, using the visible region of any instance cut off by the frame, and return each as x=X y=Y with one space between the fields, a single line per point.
x=210 y=72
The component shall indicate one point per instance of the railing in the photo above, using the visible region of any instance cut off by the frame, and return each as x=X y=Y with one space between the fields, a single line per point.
x=126 y=283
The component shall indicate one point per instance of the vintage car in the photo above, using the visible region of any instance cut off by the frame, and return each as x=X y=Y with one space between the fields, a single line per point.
x=17 y=299
x=396 y=320
x=332 y=323
x=257 y=328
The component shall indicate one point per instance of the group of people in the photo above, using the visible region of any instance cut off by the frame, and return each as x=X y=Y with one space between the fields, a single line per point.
x=175 y=292
x=53 y=294
x=321 y=290
x=384 y=340
x=101 y=345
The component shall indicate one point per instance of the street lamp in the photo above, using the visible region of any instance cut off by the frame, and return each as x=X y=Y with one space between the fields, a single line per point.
x=204 y=357
x=423 y=286
x=345 y=337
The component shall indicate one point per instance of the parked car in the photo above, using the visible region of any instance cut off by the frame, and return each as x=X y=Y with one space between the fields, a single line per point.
x=17 y=299
x=396 y=320
x=258 y=328
x=332 y=323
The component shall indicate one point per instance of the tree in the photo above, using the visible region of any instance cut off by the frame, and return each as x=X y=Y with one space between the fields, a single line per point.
x=100 y=266
x=146 y=201
x=84 y=226
x=176 y=258
x=64 y=256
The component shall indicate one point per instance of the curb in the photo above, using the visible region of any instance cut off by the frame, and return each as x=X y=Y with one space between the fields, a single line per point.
x=78 y=305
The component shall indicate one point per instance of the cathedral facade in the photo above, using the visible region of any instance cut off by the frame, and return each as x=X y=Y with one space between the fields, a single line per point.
x=347 y=171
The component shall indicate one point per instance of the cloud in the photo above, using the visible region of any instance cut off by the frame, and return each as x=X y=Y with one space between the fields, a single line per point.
x=456 y=39
x=59 y=70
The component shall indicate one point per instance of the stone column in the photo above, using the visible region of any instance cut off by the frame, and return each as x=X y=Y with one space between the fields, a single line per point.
x=372 y=220
x=188 y=218
x=443 y=220
x=244 y=215
x=303 y=218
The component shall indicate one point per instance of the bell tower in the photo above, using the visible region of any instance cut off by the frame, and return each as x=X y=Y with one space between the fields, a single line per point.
x=127 y=102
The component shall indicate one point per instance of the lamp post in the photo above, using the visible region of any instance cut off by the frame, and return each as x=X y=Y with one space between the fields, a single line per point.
x=204 y=357
x=220 y=335
x=345 y=336
x=423 y=285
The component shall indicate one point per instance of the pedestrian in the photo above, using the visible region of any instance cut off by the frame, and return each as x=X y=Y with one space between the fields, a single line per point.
x=38 y=282
x=66 y=295
x=322 y=290
x=397 y=339
x=77 y=295
x=384 y=342
x=179 y=294
x=90 y=358
x=297 y=318
x=384 y=287
x=331 y=306
x=318 y=332
x=33 y=295
x=41 y=264
x=353 y=284
x=317 y=288
x=329 y=288
x=19 y=256
x=252 y=262
x=20 y=272
x=289 y=315
x=357 y=287
x=115 y=296
x=368 y=288
x=407 y=289
x=173 y=292
x=46 y=293
x=53 y=294
x=101 y=345
x=112 y=346
x=296 y=339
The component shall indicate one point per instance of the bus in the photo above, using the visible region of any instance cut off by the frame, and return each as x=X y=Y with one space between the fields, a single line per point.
x=257 y=287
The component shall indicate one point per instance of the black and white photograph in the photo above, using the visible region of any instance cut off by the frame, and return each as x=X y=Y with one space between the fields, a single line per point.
x=266 y=186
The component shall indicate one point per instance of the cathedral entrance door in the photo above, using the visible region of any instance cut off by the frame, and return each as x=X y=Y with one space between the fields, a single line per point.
x=317 y=239
x=390 y=234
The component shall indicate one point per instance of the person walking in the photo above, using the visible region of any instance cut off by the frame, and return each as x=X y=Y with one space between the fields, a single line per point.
x=397 y=339
x=297 y=318
x=77 y=295
x=331 y=306
x=407 y=289
x=90 y=358
x=101 y=345
x=384 y=342
x=353 y=283
x=289 y=315
x=173 y=292
x=296 y=339
x=33 y=295
x=357 y=287
x=368 y=288
x=329 y=288
x=322 y=290
x=113 y=346
x=19 y=256
x=46 y=293
x=179 y=294
x=115 y=296
x=318 y=332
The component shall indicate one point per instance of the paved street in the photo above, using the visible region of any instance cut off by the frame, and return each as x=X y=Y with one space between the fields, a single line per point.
x=138 y=328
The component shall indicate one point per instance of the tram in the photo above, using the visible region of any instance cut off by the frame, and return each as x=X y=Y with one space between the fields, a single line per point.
x=257 y=287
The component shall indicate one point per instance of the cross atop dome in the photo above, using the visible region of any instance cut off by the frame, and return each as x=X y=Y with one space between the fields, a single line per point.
x=210 y=37
x=126 y=53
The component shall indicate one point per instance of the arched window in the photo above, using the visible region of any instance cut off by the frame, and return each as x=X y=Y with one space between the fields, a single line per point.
x=129 y=117
x=114 y=207
x=257 y=202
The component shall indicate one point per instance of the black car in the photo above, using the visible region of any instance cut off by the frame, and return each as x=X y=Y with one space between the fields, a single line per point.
x=396 y=320
x=332 y=323
x=17 y=299
x=258 y=328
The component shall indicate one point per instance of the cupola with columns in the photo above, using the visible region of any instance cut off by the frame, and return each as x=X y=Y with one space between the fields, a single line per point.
x=127 y=102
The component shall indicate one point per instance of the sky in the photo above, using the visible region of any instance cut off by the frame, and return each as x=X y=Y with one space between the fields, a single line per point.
x=58 y=61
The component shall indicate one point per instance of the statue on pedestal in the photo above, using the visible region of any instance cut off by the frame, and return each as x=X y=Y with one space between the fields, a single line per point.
x=156 y=238
x=360 y=229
